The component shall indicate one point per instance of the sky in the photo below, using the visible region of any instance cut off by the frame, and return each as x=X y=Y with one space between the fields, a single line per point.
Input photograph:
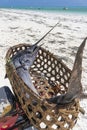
x=42 y=3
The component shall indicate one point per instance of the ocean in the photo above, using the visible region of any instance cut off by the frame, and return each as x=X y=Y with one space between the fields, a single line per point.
x=80 y=10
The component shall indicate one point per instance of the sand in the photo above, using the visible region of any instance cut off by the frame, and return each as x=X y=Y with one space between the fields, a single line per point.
x=24 y=26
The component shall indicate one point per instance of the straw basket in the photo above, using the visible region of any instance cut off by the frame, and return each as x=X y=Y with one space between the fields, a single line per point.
x=50 y=76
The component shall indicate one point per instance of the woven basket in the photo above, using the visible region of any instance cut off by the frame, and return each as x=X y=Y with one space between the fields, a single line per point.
x=50 y=76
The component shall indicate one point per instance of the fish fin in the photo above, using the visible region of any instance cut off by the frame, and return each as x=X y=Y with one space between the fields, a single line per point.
x=75 y=85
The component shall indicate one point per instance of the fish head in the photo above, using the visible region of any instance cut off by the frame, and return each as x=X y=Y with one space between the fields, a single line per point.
x=29 y=56
x=33 y=50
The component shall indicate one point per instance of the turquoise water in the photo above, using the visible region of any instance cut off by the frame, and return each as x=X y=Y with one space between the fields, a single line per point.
x=57 y=9
x=63 y=9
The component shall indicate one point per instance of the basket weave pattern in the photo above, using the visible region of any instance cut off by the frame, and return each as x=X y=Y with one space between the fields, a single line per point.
x=50 y=76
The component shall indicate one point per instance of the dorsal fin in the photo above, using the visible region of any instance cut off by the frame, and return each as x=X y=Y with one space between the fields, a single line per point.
x=75 y=80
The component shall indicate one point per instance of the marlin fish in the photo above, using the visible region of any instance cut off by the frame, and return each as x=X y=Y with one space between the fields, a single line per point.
x=75 y=86
x=24 y=59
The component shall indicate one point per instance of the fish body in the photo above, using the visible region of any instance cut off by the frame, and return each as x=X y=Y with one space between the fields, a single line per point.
x=25 y=58
x=25 y=76
x=23 y=61
x=75 y=86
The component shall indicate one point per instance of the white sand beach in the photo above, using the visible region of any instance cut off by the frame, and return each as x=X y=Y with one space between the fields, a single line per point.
x=25 y=26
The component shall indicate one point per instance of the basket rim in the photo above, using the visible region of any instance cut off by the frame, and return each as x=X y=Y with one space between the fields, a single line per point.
x=28 y=45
